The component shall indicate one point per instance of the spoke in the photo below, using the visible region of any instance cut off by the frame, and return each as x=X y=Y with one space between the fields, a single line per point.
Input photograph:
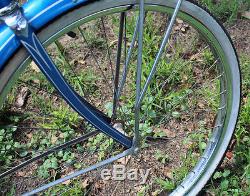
x=118 y=62
x=40 y=89
x=162 y=48
x=152 y=141
x=164 y=83
x=125 y=39
x=33 y=128
x=193 y=86
x=81 y=172
x=51 y=151
x=95 y=58
x=100 y=113
x=61 y=51
x=35 y=114
x=82 y=159
x=128 y=58
x=64 y=146
x=108 y=48
x=126 y=62
x=44 y=117
x=138 y=73
x=176 y=71
x=183 y=97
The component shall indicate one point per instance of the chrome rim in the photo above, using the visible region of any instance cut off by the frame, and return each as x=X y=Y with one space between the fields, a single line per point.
x=225 y=88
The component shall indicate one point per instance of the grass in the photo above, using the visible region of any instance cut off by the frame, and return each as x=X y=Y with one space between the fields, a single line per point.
x=172 y=105
x=227 y=11
x=234 y=177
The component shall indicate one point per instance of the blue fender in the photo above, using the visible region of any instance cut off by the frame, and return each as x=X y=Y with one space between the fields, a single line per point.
x=38 y=13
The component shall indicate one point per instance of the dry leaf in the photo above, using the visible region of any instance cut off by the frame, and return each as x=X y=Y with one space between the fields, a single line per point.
x=68 y=181
x=156 y=193
x=113 y=42
x=124 y=160
x=245 y=100
x=168 y=55
x=168 y=172
x=36 y=81
x=246 y=14
x=177 y=28
x=82 y=62
x=179 y=21
x=21 y=174
x=168 y=133
x=119 y=127
x=34 y=67
x=183 y=29
x=29 y=135
x=54 y=139
x=229 y=155
x=201 y=105
x=55 y=99
x=194 y=57
x=190 y=128
x=184 y=78
x=61 y=135
x=85 y=183
x=21 y=97
x=98 y=185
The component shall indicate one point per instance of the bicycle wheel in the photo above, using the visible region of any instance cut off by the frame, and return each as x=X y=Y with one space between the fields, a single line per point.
x=188 y=114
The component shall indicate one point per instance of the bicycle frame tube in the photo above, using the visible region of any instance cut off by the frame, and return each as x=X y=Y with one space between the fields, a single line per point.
x=21 y=29
x=26 y=35
x=4 y=3
x=38 y=13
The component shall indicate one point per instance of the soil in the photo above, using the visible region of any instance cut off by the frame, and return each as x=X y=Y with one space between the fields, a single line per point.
x=240 y=33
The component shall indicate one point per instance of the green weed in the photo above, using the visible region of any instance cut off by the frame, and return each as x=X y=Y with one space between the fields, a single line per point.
x=74 y=188
x=166 y=185
x=226 y=10
x=234 y=178
x=162 y=157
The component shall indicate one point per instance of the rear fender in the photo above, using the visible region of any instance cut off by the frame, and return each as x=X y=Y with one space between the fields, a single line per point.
x=38 y=13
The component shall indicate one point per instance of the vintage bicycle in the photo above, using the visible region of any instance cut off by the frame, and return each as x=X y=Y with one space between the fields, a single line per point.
x=145 y=84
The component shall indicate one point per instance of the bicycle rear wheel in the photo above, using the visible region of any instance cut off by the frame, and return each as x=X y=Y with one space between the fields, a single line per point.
x=188 y=114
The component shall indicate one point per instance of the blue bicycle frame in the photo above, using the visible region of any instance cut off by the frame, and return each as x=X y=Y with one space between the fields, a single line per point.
x=38 y=13
x=20 y=27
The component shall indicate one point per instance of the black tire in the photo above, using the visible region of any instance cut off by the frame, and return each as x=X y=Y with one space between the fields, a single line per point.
x=209 y=28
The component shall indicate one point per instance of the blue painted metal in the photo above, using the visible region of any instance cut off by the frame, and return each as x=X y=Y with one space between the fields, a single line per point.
x=46 y=65
x=38 y=13
x=4 y=3
x=81 y=172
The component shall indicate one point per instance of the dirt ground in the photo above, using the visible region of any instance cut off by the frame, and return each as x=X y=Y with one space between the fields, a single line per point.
x=240 y=34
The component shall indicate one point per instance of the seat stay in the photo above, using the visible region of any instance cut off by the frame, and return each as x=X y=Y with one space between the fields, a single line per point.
x=30 y=41
x=81 y=172
x=46 y=65
x=159 y=54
